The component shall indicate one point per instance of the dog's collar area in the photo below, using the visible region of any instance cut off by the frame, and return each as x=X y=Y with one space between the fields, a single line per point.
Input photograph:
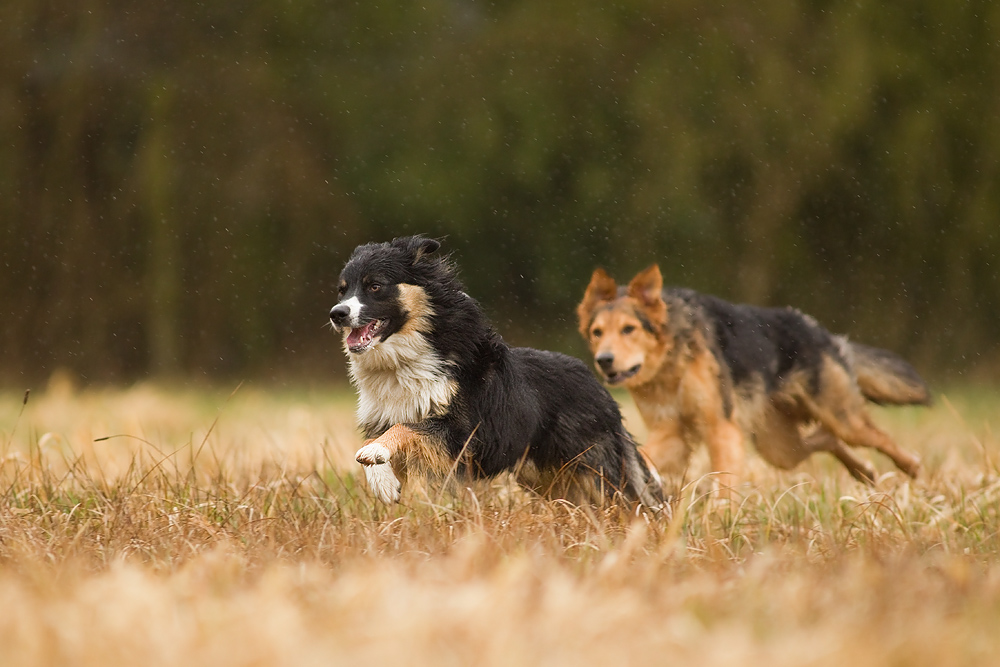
x=617 y=378
x=363 y=337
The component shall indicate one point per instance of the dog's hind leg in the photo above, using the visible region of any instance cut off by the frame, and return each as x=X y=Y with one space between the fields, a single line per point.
x=840 y=408
x=778 y=440
x=822 y=440
x=857 y=429
x=781 y=444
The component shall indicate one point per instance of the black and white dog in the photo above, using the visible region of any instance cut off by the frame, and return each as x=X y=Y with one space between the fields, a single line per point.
x=439 y=390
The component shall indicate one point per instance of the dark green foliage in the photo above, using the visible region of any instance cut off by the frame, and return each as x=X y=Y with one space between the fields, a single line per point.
x=180 y=184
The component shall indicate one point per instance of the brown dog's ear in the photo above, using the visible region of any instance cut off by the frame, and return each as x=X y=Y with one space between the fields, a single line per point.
x=647 y=289
x=602 y=288
x=647 y=286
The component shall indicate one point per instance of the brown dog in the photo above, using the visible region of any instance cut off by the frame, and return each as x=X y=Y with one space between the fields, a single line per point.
x=701 y=369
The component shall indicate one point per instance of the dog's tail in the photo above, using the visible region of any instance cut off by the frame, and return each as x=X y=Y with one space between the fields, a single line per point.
x=887 y=379
x=642 y=481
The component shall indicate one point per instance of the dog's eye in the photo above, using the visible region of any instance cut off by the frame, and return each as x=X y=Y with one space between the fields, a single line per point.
x=627 y=329
x=596 y=333
x=341 y=289
x=374 y=287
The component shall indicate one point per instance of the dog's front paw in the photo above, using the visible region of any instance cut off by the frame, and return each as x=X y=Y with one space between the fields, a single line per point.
x=374 y=457
x=374 y=453
x=383 y=483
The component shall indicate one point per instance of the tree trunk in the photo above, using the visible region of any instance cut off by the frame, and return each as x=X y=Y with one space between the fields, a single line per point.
x=163 y=272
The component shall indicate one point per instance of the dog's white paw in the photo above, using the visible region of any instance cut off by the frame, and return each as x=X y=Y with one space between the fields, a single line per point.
x=374 y=457
x=374 y=453
x=383 y=483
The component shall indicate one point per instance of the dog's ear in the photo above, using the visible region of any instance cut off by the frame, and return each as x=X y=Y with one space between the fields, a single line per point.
x=602 y=288
x=425 y=247
x=647 y=286
x=647 y=289
x=418 y=246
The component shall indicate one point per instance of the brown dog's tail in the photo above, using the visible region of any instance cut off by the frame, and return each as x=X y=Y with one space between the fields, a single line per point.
x=885 y=378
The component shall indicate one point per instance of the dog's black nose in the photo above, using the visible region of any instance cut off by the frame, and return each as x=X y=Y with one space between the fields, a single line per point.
x=339 y=314
x=606 y=361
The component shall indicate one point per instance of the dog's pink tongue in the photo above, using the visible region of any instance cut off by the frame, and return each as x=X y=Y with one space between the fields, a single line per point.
x=358 y=335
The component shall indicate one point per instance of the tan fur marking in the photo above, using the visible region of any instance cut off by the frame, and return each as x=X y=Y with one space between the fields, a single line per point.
x=416 y=302
x=396 y=439
x=410 y=451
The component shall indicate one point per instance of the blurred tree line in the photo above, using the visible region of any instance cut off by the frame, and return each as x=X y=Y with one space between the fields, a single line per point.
x=181 y=182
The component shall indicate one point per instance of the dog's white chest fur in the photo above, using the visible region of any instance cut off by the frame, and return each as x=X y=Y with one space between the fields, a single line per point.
x=401 y=380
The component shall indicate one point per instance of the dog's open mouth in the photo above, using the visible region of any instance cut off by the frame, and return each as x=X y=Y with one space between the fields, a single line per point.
x=361 y=338
x=621 y=376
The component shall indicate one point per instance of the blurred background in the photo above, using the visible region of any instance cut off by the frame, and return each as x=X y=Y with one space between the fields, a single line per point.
x=180 y=183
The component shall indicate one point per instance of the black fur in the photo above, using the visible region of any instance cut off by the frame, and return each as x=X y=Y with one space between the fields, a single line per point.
x=512 y=406
x=767 y=344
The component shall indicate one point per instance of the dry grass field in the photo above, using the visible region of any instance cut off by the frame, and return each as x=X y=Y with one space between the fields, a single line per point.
x=180 y=527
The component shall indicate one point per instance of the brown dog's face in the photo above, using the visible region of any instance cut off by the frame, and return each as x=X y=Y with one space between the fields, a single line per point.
x=627 y=332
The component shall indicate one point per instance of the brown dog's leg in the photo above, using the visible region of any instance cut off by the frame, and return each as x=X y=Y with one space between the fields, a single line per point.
x=841 y=409
x=778 y=439
x=726 y=454
x=781 y=444
x=667 y=450
x=822 y=440
x=858 y=430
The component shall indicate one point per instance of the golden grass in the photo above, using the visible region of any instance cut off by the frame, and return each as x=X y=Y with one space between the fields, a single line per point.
x=156 y=527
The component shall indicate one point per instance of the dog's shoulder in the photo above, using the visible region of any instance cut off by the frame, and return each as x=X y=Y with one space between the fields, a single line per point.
x=692 y=317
